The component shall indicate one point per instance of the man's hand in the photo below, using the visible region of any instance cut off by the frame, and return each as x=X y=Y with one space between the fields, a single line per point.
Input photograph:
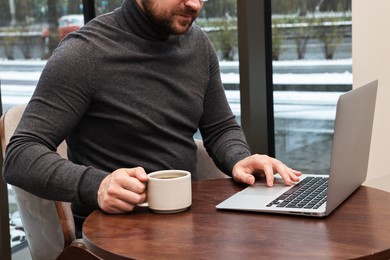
x=122 y=190
x=243 y=170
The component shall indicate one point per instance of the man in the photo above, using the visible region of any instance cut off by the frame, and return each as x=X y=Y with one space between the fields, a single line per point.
x=127 y=92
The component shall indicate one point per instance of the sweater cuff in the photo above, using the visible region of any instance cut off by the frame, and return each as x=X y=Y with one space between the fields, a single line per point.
x=89 y=185
x=235 y=158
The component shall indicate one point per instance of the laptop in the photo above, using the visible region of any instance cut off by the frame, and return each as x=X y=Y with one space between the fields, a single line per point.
x=348 y=166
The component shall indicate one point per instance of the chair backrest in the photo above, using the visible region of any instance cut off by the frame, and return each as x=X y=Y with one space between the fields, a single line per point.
x=48 y=225
x=205 y=168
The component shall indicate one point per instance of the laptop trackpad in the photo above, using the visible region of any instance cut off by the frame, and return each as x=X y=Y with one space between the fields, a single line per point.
x=261 y=189
x=255 y=197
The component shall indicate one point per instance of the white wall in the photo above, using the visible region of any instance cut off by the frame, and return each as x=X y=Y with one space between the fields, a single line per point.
x=371 y=60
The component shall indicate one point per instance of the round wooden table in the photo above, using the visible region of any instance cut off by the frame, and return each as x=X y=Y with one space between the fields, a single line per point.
x=360 y=227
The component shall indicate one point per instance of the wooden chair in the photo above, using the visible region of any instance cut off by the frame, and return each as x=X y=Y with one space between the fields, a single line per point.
x=49 y=225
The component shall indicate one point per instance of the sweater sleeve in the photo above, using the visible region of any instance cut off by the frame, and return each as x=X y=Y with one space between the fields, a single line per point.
x=61 y=98
x=223 y=137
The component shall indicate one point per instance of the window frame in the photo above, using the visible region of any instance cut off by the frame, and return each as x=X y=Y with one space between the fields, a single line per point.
x=256 y=85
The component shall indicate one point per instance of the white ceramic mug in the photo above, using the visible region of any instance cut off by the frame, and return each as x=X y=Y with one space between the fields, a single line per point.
x=169 y=191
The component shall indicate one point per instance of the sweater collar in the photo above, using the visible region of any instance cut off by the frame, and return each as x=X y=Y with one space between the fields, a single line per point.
x=137 y=22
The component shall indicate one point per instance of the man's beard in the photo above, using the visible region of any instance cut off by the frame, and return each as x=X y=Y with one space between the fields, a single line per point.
x=164 y=23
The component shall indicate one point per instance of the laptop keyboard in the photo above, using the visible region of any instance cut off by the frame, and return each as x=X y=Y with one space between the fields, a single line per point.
x=310 y=193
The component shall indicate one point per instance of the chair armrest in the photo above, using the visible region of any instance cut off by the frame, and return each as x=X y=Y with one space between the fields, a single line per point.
x=77 y=250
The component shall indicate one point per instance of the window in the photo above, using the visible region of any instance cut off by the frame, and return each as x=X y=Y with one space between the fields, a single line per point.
x=102 y=6
x=312 y=66
x=29 y=31
x=218 y=19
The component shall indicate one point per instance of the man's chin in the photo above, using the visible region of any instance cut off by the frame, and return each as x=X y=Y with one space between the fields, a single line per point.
x=180 y=32
x=181 y=28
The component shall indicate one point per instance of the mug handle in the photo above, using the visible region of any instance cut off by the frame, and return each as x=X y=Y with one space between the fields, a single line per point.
x=143 y=204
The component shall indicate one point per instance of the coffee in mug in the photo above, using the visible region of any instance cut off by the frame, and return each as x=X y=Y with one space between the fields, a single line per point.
x=170 y=175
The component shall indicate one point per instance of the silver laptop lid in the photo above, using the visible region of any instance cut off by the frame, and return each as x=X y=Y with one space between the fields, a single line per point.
x=351 y=143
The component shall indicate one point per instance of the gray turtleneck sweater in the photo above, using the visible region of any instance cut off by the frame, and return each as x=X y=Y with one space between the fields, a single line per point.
x=122 y=95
